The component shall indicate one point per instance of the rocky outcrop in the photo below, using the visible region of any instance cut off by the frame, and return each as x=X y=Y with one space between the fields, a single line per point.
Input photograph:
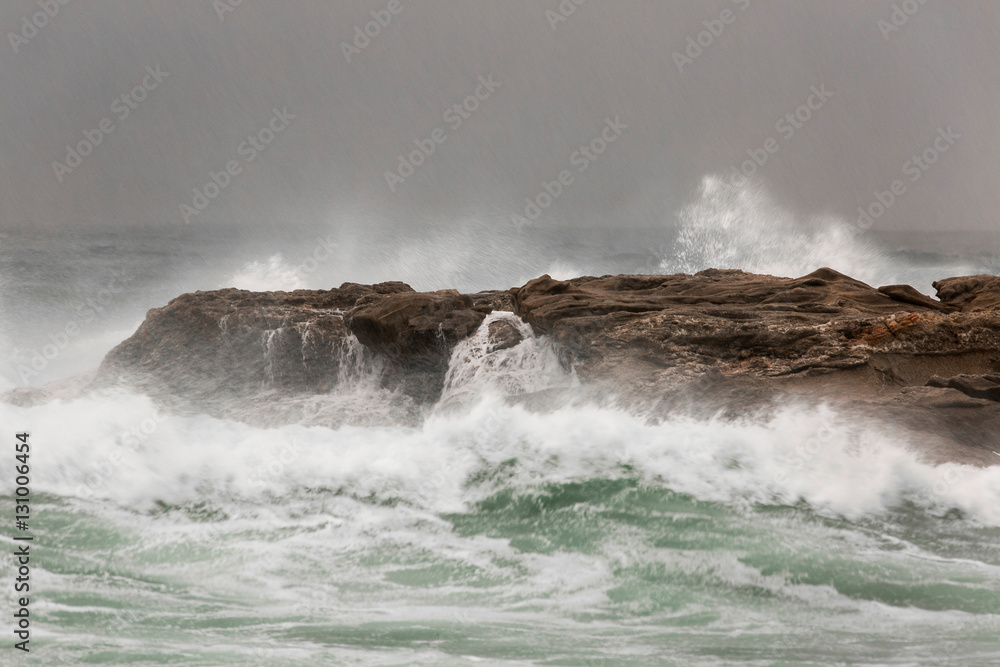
x=970 y=293
x=976 y=386
x=415 y=329
x=717 y=342
x=231 y=342
x=208 y=347
x=762 y=326
x=906 y=294
x=728 y=342
x=415 y=334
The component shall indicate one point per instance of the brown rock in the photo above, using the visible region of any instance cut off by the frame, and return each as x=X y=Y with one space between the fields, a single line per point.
x=417 y=329
x=977 y=386
x=209 y=345
x=735 y=341
x=906 y=294
x=503 y=335
x=970 y=293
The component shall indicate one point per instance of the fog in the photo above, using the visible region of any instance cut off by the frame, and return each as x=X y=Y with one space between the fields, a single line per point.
x=700 y=87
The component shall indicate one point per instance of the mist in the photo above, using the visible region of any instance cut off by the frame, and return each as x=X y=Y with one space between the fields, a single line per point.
x=894 y=80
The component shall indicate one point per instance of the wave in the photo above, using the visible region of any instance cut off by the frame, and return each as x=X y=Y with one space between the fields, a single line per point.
x=118 y=447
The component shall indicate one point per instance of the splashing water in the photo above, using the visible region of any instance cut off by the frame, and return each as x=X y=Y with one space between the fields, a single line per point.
x=274 y=274
x=496 y=533
x=734 y=224
x=496 y=529
x=477 y=368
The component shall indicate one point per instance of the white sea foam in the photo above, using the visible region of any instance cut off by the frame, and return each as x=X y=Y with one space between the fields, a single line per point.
x=118 y=447
x=476 y=369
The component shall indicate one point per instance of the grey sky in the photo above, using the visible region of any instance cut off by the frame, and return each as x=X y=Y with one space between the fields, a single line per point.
x=891 y=94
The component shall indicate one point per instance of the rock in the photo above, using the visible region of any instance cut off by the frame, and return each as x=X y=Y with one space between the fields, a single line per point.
x=657 y=340
x=417 y=329
x=970 y=293
x=720 y=342
x=487 y=302
x=208 y=346
x=724 y=295
x=503 y=335
x=906 y=294
x=747 y=324
x=416 y=333
x=977 y=386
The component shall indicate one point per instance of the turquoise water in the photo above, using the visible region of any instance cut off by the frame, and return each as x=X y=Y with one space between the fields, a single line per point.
x=600 y=572
x=487 y=533
x=499 y=536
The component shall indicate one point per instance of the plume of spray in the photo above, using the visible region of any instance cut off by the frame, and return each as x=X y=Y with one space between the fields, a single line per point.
x=735 y=224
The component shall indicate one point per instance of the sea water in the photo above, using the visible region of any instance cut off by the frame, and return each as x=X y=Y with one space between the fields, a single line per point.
x=484 y=529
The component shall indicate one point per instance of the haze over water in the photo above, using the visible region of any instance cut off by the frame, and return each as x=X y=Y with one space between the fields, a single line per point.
x=484 y=532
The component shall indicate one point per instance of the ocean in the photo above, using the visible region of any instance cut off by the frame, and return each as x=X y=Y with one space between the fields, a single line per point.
x=480 y=531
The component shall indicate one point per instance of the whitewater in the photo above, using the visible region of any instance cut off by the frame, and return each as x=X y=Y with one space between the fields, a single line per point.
x=519 y=520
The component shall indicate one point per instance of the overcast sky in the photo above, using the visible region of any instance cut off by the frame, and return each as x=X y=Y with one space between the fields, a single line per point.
x=891 y=92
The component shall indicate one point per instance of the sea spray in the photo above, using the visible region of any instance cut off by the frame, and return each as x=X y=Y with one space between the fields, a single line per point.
x=496 y=527
x=735 y=224
x=504 y=531
x=190 y=459
x=476 y=368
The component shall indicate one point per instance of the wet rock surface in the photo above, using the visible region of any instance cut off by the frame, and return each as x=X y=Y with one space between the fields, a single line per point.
x=761 y=326
x=416 y=330
x=231 y=342
x=975 y=386
x=208 y=347
x=717 y=342
x=970 y=293
x=730 y=343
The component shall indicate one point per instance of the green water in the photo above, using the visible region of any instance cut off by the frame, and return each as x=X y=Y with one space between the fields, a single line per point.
x=600 y=572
